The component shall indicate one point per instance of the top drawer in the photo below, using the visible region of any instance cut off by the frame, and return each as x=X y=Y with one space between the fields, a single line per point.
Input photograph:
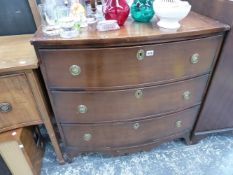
x=17 y=105
x=119 y=67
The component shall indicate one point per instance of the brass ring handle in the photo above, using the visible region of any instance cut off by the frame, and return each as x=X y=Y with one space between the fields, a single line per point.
x=5 y=107
x=87 y=137
x=140 y=54
x=178 y=123
x=195 y=58
x=187 y=95
x=75 y=70
x=82 y=109
x=136 y=126
x=138 y=94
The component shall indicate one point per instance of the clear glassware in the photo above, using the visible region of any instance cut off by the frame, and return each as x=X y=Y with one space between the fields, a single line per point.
x=77 y=10
x=49 y=23
x=91 y=23
x=70 y=27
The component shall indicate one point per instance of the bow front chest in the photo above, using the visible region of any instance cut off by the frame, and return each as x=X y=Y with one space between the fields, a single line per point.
x=128 y=90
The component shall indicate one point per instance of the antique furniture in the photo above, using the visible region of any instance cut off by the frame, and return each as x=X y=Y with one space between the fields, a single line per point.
x=22 y=102
x=22 y=151
x=130 y=89
x=216 y=113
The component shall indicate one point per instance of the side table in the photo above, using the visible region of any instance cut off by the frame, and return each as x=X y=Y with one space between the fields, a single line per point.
x=22 y=100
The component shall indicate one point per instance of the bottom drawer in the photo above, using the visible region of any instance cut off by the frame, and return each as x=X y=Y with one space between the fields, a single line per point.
x=90 y=137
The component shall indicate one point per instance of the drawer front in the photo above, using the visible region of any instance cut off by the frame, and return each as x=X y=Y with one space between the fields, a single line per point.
x=128 y=66
x=100 y=106
x=17 y=104
x=90 y=137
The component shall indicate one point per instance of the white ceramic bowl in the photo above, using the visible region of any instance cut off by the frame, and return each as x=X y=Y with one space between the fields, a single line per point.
x=170 y=15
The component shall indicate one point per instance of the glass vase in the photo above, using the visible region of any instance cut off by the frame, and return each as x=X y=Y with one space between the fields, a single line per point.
x=142 y=10
x=116 y=10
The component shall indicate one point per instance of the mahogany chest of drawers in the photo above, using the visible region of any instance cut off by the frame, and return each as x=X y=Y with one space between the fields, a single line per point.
x=130 y=89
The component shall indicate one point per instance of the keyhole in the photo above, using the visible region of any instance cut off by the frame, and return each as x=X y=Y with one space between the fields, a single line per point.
x=138 y=93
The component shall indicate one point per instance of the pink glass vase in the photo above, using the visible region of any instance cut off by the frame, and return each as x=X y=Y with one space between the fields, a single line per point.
x=116 y=9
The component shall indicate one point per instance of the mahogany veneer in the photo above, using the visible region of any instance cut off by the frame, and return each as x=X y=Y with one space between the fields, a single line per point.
x=115 y=135
x=128 y=90
x=125 y=106
x=101 y=66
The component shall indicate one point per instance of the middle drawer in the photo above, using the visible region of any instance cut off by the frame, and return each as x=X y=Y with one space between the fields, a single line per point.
x=120 y=105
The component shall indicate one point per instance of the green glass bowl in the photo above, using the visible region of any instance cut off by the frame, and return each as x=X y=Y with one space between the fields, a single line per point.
x=142 y=10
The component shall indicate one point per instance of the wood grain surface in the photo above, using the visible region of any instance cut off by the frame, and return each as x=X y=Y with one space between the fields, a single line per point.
x=111 y=68
x=20 y=86
x=126 y=150
x=122 y=105
x=32 y=152
x=122 y=134
x=16 y=91
x=45 y=111
x=193 y=25
x=16 y=53
x=35 y=12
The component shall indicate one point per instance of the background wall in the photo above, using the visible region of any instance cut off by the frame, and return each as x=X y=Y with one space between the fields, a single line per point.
x=16 y=17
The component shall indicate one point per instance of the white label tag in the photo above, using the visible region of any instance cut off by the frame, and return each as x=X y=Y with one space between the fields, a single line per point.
x=149 y=53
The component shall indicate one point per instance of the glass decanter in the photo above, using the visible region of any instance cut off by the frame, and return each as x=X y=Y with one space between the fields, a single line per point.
x=116 y=10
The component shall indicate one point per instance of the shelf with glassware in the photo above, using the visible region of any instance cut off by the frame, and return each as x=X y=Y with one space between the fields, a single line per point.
x=67 y=19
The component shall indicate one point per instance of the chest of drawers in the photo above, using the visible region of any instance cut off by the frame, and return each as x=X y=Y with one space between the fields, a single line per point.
x=130 y=89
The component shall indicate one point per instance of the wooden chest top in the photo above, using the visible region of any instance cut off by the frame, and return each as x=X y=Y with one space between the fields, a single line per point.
x=133 y=33
x=16 y=53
